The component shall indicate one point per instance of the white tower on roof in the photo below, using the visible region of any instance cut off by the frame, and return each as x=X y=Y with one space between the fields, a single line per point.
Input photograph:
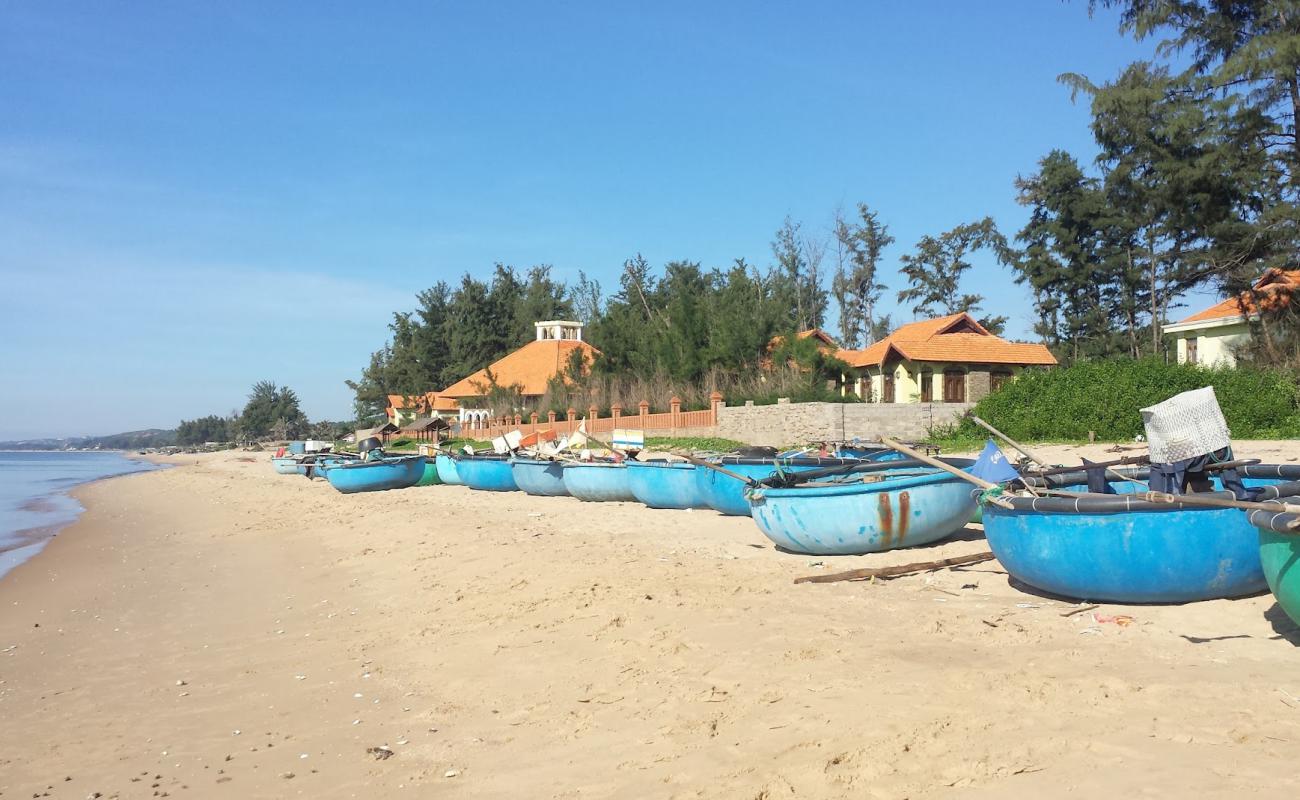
x=558 y=329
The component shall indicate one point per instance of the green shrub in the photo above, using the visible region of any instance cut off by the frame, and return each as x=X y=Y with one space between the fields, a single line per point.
x=1105 y=397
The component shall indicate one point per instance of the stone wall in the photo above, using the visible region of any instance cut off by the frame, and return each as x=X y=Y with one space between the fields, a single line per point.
x=798 y=423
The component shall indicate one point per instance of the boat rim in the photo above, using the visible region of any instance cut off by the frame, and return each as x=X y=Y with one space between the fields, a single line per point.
x=386 y=462
x=932 y=476
x=1289 y=474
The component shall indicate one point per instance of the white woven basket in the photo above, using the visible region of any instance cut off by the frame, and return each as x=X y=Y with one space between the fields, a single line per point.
x=1185 y=426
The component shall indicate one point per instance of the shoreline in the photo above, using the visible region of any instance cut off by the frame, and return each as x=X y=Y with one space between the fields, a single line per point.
x=220 y=631
x=36 y=537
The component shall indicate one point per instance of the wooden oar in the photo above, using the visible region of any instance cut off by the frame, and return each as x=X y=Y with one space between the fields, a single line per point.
x=936 y=463
x=898 y=570
x=699 y=462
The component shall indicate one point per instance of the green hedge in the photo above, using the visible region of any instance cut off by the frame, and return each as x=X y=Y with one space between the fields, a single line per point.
x=1105 y=397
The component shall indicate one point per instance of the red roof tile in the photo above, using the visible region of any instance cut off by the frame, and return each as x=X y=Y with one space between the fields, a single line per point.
x=1276 y=285
x=531 y=366
x=956 y=338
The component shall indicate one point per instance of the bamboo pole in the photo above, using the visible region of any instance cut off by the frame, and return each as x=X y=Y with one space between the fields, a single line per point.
x=1276 y=507
x=896 y=571
x=1039 y=459
x=699 y=462
x=936 y=463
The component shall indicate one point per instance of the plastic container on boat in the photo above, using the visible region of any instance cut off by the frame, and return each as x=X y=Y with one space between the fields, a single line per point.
x=598 y=481
x=884 y=506
x=540 y=477
x=285 y=465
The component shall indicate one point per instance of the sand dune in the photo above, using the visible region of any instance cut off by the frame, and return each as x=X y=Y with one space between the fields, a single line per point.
x=217 y=630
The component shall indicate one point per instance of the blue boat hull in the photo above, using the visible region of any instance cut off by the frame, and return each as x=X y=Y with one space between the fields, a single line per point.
x=598 y=483
x=447 y=472
x=541 y=478
x=664 y=484
x=857 y=517
x=376 y=476
x=486 y=474
x=288 y=466
x=1147 y=553
x=726 y=494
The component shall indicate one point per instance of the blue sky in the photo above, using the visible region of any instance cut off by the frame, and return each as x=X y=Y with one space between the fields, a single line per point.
x=197 y=196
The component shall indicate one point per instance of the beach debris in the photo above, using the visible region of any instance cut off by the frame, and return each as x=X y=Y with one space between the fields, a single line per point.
x=237 y=732
x=1122 y=620
x=897 y=571
x=451 y=773
x=381 y=752
x=287 y=775
x=1080 y=610
x=181 y=683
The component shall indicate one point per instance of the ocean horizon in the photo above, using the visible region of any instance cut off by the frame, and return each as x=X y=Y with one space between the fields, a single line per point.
x=34 y=500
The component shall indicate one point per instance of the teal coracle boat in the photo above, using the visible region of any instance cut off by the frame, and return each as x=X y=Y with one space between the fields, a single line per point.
x=540 y=477
x=375 y=476
x=726 y=494
x=878 y=506
x=487 y=473
x=598 y=482
x=288 y=465
x=1279 y=556
x=447 y=472
x=1119 y=548
x=430 y=476
x=664 y=484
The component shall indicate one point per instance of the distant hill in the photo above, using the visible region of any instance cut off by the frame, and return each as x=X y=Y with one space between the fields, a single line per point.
x=131 y=440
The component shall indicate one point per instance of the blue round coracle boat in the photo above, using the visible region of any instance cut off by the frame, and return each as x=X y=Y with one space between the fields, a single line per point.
x=288 y=465
x=1121 y=549
x=447 y=472
x=726 y=494
x=598 y=481
x=878 y=506
x=1279 y=555
x=539 y=476
x=376 y=476
x=664 y=484
x=317 y=465
x=489 y=472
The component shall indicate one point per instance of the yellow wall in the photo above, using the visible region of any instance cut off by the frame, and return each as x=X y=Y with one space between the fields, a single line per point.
x=907 y=378
x=1213 y=345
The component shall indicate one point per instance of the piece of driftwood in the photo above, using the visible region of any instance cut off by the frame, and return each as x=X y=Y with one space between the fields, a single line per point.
x=897 y=571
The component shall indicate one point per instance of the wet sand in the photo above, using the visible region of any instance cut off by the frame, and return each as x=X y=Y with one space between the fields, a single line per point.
x=221 y=631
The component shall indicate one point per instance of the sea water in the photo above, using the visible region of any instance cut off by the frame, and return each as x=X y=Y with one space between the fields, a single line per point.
x=34 y=503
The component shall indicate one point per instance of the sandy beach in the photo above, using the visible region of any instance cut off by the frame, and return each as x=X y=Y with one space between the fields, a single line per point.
x=217 y=630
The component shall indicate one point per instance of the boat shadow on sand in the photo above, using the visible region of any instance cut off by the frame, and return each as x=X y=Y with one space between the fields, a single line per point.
x=1282 y=625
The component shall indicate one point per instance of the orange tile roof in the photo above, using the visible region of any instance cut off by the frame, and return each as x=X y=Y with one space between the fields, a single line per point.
x=1277 y=285
x=957 y=338
x=530 y=366
x=429 y=401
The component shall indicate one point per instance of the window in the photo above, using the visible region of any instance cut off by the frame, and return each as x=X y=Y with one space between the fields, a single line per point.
x=998 y=379
x=927 y=386
x=954 y=386
x=1191 y=350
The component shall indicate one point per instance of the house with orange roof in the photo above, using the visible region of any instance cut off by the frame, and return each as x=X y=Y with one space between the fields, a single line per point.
x=824 y=343
x=530 y=368
x=1212 y=336
x=951 y=359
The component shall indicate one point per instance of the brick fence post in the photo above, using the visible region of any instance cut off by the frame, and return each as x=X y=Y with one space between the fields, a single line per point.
x=715 y=403
x=615 y=411
x=550 y=418
x=675 y=410
x=572 y=414
x=644 y=408
x=532 y=420
x=593 y=414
